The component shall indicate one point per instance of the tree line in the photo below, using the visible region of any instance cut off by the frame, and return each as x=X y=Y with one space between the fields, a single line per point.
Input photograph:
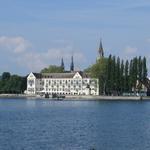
x=53 y=69
x=12 y=83
x=117 y=76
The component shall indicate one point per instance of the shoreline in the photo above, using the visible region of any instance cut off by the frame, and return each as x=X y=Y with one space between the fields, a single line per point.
x=90 y=97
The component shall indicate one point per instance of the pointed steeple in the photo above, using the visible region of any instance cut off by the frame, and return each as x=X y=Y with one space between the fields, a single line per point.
x=62 y=64
x=100 y=50
x=72 y=64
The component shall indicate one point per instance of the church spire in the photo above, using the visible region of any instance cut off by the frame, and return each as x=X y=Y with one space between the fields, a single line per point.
x=100 y=50
x=72 y=64
x=62 y=64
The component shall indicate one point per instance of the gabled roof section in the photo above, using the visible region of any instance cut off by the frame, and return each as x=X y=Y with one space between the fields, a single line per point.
x=57 y=75
x=84 y=75
x=65 y=75
x=77 y=75
x=37 y=75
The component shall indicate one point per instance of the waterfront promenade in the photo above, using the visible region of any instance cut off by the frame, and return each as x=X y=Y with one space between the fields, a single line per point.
x=77 y=97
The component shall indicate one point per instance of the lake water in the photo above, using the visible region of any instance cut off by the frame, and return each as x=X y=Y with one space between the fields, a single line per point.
x=74 y=125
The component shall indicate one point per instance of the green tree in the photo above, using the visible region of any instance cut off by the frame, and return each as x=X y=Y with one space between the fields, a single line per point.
x=53 y=69
x=98 y=70
x=131 y=80
x=15 y=84
x=140 y=68
x=113 y=75
x=122 y=77
x=126 y=77
x=109 y=75
x=144 y=69
x=139 y=73
x=133 y=73
x=6 y=76
x=118 y=77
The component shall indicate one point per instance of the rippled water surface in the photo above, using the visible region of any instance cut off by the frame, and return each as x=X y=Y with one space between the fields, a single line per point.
x=74 y=125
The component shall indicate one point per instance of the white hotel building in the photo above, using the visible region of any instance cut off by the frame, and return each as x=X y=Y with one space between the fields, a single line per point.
x=68 y=83
x=72 y=83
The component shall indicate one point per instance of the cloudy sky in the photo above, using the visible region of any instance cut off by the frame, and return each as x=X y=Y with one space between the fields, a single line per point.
x=37 y=33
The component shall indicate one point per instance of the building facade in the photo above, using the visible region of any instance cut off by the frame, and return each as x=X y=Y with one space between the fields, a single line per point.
x=72 y=83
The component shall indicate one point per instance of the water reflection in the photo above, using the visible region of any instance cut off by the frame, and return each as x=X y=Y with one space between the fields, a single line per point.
x=30 y=103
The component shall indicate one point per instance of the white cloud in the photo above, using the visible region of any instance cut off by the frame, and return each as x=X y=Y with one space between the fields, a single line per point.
x=35 y=61
x=130 y=50
x=66 y=53
x=30 y=61
x=15 y=44
x=22 y=55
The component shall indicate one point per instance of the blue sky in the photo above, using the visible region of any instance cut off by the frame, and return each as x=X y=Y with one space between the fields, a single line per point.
x=37 y=33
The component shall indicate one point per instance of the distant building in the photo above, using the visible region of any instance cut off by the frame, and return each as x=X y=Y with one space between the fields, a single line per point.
x=143 y=87
x=62 y=64
x=72 y=65
x=72 y=83
x=101 y=50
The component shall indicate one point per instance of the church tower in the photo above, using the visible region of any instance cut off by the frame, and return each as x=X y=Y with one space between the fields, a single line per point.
x=62 y=64
x=100 y=50
x=72 y=64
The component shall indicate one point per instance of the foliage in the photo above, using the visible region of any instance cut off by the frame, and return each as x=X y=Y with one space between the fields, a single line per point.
x=5 y=75
x=117 y=76
x=144 y=71
x=98 y=70
x=12 y=83
x=53 y=69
